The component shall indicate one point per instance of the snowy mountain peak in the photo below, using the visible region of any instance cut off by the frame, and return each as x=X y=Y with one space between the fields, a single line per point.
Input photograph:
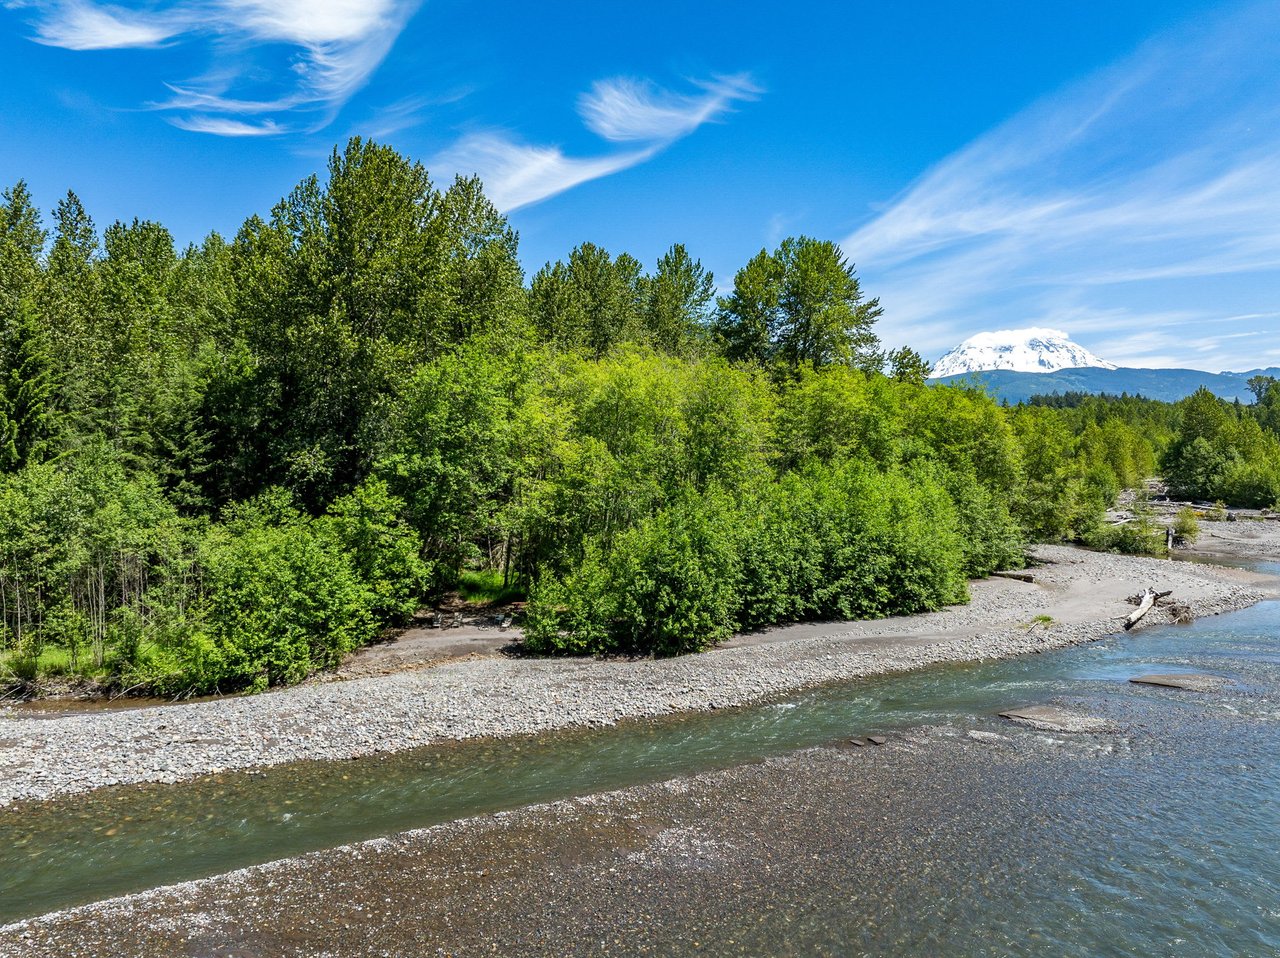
x=1022 y=350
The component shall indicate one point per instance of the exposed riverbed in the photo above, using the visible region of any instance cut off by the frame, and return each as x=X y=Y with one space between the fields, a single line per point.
x=1082 y=594
x=963 y=833
x=967 y=835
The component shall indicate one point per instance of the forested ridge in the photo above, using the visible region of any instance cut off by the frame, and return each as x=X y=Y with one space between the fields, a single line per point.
x=223 y=467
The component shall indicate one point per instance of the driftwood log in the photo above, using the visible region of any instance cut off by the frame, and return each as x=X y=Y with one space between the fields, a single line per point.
x=1145 y=601
x=1020 y=576
x=1144 y=606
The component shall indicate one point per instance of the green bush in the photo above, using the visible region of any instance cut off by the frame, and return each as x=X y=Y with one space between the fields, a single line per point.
x=839 y=542
x=895 y=546
x=1139 y=537
x=675 y=580
x=281 y=600
x=667 y=587
x=572 y=614
x=1250 y=485
x=1186 y=526
x=989 y=537
x=781 y=561
x=385 y=552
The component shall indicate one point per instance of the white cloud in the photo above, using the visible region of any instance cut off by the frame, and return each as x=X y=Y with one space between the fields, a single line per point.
x=625 y=109
x=225 y=126
x=518 y=174
x=1132 y=195
x=312 y=22
x=86 y=26
x=336 y=45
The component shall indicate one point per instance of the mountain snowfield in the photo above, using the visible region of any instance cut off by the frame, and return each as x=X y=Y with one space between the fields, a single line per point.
x=1033 y=350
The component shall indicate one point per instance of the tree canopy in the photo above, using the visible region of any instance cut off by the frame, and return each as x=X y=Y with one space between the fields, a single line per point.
x=225 y=466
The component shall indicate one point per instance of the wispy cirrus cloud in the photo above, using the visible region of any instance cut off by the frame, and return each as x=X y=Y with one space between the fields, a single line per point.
x=87 y=26
x=1145 y=197
x=619 y=110
x=407 y=112
x=517 y=174
x=625 y=109
x=287 y=64
x=225 y=126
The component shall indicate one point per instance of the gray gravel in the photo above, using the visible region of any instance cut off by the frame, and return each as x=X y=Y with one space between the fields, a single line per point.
x=1083 y=592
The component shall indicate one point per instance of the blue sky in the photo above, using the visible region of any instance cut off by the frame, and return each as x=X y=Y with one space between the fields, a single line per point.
x=1111 y=170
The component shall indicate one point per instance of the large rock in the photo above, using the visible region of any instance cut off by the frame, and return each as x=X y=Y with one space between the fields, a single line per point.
x=1190 y=682
x=1051 y=718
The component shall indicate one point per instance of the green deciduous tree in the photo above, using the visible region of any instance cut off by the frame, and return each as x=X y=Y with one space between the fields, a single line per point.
x=678 y=299
x=593 y=302
x=801 y=305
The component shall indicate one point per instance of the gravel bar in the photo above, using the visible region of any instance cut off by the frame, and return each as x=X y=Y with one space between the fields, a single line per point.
x=1083 y=592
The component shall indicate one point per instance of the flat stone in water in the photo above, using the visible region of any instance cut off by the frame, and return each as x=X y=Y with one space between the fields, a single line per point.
x=1190 y=682
x=1054 y=719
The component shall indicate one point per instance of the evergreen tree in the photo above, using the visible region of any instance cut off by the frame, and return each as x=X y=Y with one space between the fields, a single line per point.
x=21 y=244
x=30 y=423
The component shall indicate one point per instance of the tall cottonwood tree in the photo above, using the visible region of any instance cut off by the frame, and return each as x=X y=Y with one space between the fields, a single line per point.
x=801 y=305
x=592 y=302
x=677 y=302
x=339 y=295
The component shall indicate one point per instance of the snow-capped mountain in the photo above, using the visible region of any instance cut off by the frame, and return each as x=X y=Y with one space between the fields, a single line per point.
x=1021 y=350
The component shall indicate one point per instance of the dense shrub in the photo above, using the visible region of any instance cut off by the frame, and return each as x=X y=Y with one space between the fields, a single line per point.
x=1139 y=537
x=667 y=587
x=281 y=599
x=990 y=538
x=1186 y=525
x=1251 y=485
x=840 y=542
x=384 y=551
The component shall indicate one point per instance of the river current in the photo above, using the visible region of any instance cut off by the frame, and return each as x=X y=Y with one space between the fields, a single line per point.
x=1170 y=844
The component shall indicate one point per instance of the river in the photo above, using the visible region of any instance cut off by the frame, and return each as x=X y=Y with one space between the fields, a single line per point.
x=1163 y=838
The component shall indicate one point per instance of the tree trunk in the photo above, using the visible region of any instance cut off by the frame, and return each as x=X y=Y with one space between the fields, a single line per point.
x=1145 y=606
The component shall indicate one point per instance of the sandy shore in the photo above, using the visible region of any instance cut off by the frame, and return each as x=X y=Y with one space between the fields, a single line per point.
x=1083 y=594
x=1238 y=541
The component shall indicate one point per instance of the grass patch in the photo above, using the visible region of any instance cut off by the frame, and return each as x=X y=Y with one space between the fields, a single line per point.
x=1040 y=621
x=52 y=661
x=484 y=587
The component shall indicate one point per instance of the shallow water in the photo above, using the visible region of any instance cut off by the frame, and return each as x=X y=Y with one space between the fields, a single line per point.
x=1189 y=811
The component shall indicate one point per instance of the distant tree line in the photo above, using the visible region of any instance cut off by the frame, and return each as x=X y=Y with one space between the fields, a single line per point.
x=225 y=466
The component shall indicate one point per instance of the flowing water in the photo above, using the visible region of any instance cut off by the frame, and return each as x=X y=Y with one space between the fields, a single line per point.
x=1192 y=816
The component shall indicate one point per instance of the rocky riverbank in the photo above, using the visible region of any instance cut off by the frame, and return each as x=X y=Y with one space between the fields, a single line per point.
x=980 y=838
x=597 y=875
x=1075 y=597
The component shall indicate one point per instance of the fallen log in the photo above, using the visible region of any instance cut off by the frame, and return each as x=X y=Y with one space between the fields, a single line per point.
x=1137 y=599
x=1146 y=605
x=1020 y=576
